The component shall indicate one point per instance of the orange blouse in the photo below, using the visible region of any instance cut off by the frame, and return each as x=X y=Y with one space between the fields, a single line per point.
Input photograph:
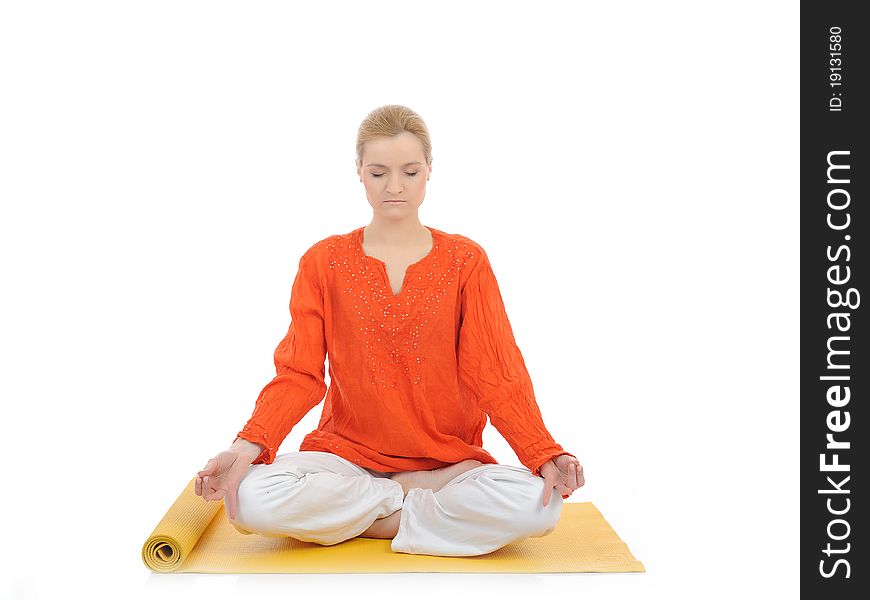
x=413 y=375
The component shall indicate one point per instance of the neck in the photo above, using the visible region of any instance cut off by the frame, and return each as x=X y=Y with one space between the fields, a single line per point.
x=395 y=232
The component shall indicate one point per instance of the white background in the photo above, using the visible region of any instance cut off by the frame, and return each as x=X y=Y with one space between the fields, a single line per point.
x=631 y=169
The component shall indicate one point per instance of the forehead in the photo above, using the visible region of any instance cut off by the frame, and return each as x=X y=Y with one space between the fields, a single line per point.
x=400 y=150
x=383 y=166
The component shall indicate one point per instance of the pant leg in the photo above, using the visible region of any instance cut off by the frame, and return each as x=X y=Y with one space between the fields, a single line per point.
x=477 y=512
x=313 y=496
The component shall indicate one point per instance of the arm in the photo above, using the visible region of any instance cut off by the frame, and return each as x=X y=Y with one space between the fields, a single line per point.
x=249 y=450
x=299 y=384
x=491 y=366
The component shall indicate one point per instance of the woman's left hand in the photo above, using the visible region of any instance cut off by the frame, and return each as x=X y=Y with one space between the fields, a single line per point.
x=563 y=472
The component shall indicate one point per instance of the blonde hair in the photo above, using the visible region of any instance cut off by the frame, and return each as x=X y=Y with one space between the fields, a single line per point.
x=391 y=120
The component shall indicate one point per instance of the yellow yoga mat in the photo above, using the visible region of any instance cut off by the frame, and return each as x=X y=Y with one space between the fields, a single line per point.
x=195 y=536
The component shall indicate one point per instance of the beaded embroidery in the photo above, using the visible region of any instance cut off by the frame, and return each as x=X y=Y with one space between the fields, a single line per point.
x=391 y=325
x=390 y=335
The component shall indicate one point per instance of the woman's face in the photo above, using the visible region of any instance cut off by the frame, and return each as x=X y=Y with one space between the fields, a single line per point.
x=394 y=168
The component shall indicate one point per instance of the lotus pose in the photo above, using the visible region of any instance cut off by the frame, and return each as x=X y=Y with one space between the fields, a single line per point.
x=420 y=352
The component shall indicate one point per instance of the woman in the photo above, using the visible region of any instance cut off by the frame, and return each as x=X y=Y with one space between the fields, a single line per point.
x=420 y=353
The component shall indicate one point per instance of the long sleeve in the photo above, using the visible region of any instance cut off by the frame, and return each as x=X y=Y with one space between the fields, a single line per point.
x=299 y=384
x=491 y=366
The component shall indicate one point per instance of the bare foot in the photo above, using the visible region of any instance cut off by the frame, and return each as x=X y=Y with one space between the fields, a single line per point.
x=436 y=478
x=385 y=528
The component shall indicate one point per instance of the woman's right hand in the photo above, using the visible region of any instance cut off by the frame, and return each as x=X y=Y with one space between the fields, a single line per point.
x=221 y=477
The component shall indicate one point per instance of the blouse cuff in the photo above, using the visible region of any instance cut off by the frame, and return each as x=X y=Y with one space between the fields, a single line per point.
x=268 y=453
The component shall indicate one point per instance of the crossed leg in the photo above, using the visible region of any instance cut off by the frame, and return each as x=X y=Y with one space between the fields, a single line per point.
x=465 y=509
x=476 y=513
x=387 y=527
x=313 y=497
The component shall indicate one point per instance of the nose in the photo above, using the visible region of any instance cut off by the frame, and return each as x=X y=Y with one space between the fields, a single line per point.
x=394 y=186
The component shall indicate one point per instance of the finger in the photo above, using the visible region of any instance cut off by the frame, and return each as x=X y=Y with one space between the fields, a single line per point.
x=575 y=475
x=207 y=488
x=580 y=479
x=231 y=500
x=197 y=486
x=560 y=485
x=548 y=490
x=206 y=470
x=215 y=492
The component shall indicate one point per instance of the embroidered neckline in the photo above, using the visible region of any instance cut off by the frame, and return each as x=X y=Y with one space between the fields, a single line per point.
x=383 y=266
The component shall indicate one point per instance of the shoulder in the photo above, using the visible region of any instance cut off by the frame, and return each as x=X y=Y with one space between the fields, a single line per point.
x=324 y=250
x=460 y=245
x=469 y=254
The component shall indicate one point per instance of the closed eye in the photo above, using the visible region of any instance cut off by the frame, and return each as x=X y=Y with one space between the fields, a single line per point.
x=381 y=174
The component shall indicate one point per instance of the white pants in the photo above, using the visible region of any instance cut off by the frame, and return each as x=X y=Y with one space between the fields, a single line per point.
x=323 y=498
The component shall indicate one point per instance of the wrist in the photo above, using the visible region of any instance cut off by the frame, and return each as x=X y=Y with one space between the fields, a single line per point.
x=248 y=449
